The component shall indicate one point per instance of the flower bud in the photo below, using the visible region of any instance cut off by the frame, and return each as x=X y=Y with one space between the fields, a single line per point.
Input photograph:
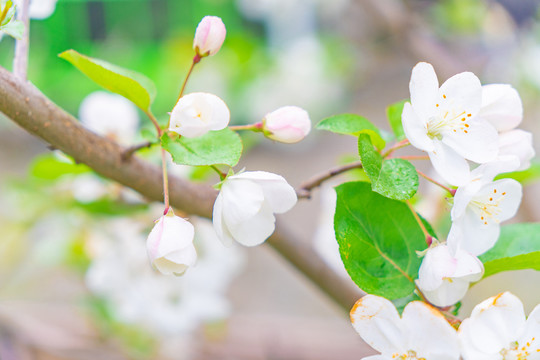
x=288 y=124
x=197 y=113
x=170 y=245
x=209 y=36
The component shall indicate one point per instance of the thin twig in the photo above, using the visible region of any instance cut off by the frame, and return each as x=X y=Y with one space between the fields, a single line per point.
x=452 y=192
x=396 y=146
x=222 y=175
x=133 y=149
x=20 y=60
x=253 y=127
x=196 y=60
x=410 y=157
x=155 y=122
x=420 y=222
x=304 y=191
x=165 y=180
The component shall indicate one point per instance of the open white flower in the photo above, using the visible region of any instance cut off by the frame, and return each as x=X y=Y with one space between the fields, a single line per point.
x=170 y=245
x=244 y=209
x=517 y=143
x=421 y=333
x=197 y=113
x=288 y=124
x=443 y=278
x=480 y=207
x=444 y=123
x=497 y=330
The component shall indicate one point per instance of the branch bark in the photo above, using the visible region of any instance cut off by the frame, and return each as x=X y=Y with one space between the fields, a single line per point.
x=24 y=104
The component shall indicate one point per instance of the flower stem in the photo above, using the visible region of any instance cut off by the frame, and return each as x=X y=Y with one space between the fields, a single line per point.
x=155 y=122
x=452 y=192
x=306 y=187
x=222 y=175
x=165 y=180
x=428 y=237
x=252 y=127
x=196 y=59
x=396 y=146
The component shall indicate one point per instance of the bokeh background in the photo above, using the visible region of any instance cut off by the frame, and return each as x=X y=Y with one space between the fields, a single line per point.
x=74 y=278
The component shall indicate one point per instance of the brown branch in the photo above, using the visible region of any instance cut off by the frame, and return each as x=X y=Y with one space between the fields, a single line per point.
x=304 y=191
x=29 y=108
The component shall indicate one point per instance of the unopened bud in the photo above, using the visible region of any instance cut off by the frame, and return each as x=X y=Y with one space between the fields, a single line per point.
x=288 y=124
x=209 y=36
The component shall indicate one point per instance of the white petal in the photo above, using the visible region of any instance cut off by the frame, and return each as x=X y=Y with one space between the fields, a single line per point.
x=469 y=267
x=450 y=292
x=415 y=129
x=478 y=143
x=505 y=193
x=494 y=323
x=462 y=91
x=242 y=199
x=256 y=229
x=424 y=88
x=531 y=334
x=501 y=106
x=377 y=321
x=428 y=332
x=277 y=192
x=468 y=349
x=517 y=143
x=473 y=234
x=504 y=163
x=217 y=219
x=436 y=265
x=451 y=166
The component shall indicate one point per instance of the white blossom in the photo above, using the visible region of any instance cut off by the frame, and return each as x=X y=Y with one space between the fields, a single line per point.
x=444 y=278
x=518 y=143
x=497 y=330
x=197 y=113
x=244 y=209
x=479 y=208
x=170 y=245
x=209 y=36
x=444 y=123
x=288 y=124
x=421 y=333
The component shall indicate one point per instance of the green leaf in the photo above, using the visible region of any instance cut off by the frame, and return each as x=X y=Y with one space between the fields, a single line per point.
x=352 y=124
x=131 y=85
x=215 y=147
x=48 y=167
x=518 y=248
x=378 y=239
x=394 y=178
x=393 y=113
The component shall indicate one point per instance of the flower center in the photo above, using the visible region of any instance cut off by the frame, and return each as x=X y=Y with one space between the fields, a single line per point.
x=410 y=355
x=451 y=118
x=517 y=352
x=487 y=206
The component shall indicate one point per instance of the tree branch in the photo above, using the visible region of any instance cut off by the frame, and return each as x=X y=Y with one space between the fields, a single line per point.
x=29 y=108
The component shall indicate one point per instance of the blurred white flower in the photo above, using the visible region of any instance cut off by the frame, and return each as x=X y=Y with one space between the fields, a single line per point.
x=288 y=124
x=244 y=209
x=197 y=113
x=209 y=36
x=421 y=333
x=170 y=244
x=39 y=9
x=518 y=143
x=110 y=115
x=443 y=278
x=497 y=329
x=444 y=122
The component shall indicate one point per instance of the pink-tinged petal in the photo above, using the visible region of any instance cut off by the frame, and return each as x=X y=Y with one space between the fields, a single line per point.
x=436 y=265
x=428 y=332
x=479 y=142
x=277 y=192
x=451 y=166
x=415 y=129
x=288 y=124
x=242 y=199
x=377 y=321
x=217 y=219
x=517 y=143
x=473 y=234
x=495 y=323
x=209 y=36
x=501 y=106
x=256 y=230
x=462 y=91
x=424 y=88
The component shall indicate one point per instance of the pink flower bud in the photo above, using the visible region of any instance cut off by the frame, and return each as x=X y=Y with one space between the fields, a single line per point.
x=288 y=124
x=209 y=36
x=170 y=245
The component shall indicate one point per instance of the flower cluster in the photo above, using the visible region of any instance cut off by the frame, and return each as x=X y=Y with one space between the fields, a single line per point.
x=496 y=329
x=459 y=123
x=245 y=207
